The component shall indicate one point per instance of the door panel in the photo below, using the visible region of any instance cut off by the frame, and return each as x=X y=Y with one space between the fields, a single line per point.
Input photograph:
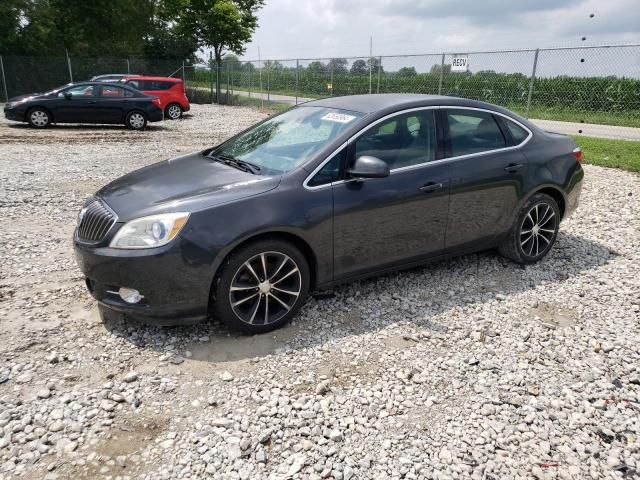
x=78 y=108
x=485 y=185
x=380 y=222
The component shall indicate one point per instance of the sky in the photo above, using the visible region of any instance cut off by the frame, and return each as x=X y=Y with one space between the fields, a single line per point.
x=342 y=28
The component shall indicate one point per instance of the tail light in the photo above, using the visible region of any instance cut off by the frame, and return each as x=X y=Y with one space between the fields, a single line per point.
x=156 y=101
x=577 y=152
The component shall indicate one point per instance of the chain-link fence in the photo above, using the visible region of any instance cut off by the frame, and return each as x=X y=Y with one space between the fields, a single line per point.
x=583 y=86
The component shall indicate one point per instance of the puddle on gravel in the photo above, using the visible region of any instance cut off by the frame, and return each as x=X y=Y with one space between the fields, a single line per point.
x=554 y=315
x=233 y=348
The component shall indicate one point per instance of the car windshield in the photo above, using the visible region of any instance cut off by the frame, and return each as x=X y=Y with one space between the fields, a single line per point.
x=286 y=141
x=56 y=90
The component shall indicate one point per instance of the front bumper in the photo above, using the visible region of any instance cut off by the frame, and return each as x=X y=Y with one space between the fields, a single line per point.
x=14 y=114
x=175 y=280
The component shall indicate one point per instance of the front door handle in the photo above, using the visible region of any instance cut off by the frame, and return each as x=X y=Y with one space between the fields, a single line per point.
x=513 y=167
x=430 y=187
x=91 y=102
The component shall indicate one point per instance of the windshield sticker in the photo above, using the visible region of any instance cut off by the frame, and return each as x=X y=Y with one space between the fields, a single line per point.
x=338 y=117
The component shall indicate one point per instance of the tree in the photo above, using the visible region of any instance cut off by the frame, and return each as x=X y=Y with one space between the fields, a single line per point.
x=317 y=67
x=272 y=65
x=359 y=67
x=435 y=69
x=375 y=64
x=338 y=65
x=222 y=25
x=407 y=72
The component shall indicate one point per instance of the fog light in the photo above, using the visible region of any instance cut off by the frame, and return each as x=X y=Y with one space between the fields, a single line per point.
x=130 y=295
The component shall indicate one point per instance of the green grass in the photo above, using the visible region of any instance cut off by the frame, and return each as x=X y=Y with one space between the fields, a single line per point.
x=542 y=112
x=624 y=154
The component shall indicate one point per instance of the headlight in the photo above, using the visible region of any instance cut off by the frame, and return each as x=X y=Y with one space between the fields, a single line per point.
x=149 y=232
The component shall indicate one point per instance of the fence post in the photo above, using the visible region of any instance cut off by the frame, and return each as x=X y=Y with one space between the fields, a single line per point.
x=441 y=75
x=4 y=80
x=249 y=70
x=128 y=66
x=370 y=61
x=297 y=78
x=533 y=78
x=69 y=66
x=268 y=82
x=217 y=82
x=379 y=70
x=228 y=65
x=331 y=81
x=211 y=76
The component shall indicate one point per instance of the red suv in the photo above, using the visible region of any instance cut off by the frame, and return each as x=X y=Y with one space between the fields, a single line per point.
x=170 y=91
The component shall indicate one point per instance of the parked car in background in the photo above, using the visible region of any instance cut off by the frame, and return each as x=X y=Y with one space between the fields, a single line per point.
x=170 y=91
x=112 y=77
x=326 y=192
x=86 y=102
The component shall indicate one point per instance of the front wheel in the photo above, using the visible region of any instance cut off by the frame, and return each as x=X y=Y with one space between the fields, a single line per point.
x=173 y=111
x=534 y=232
x=136 y=121
x=39 y=118
x=261 y=286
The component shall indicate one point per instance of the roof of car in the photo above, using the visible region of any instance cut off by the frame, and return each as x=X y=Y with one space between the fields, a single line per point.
x=383 y=101
x=151 y=77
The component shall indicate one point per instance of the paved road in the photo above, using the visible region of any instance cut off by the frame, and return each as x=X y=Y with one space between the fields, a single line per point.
x=569 y=128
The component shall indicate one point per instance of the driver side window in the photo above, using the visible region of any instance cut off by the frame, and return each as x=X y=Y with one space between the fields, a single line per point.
x=401 y=141
x=79 y=91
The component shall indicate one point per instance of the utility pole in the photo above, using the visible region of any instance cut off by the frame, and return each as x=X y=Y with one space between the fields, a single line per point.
x=69 y=66
x=370 y=60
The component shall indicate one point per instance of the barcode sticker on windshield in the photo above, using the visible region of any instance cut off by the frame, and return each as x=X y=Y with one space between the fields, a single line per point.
x=338 y=117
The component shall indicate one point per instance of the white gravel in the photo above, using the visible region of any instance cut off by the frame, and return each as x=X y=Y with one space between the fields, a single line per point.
x=470 y=368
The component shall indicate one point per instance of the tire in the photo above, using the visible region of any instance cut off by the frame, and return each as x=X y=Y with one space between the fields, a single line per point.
x=534 y=232
x=136 y=120
x=39 y=117
x=173 y=111
x=255 y=305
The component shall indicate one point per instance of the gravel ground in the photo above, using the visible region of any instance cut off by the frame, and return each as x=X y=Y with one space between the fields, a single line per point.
x=469 y=368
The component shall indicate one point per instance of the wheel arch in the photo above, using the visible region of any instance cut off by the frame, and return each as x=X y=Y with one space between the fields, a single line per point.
x=555 y=192
x=41 y=107
x=287 y=236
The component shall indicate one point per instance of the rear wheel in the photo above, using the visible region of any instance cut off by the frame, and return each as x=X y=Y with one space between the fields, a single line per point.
x=534 y=232
x=173 y=111
x=136 y=121
x=261 y=286
x=39 y=118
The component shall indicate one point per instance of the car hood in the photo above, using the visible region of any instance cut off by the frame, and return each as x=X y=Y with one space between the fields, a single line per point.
x=26 y=96
x=183 y=184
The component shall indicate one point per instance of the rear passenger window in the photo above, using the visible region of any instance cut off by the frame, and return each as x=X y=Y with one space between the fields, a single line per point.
x=473 y=131
x=157 y=85
x=518 y=133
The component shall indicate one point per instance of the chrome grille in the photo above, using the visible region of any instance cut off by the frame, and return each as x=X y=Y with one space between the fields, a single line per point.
x=95 y=223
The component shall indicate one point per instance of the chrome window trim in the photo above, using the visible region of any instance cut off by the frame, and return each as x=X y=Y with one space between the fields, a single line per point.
x=424 y=164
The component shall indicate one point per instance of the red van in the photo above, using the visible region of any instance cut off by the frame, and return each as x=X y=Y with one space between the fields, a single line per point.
x=170 y=91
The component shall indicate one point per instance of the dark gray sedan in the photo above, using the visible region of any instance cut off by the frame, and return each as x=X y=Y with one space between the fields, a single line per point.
x=86 y=102
x=326 y=192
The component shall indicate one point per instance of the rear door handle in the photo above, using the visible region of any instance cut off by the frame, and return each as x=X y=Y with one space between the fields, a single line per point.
x=431 y=187
x=513 y=167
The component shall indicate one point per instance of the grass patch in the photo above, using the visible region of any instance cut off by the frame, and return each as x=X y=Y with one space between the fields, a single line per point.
x=624 y=154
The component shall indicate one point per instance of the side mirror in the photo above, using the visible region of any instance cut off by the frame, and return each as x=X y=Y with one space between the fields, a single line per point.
x=369 y=167
x=67 y=96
